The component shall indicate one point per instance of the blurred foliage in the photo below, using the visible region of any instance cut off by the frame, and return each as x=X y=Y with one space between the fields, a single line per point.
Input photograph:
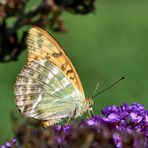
x=42 y=13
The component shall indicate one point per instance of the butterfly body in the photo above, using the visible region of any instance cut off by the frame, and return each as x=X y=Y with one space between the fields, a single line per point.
x=48 y=88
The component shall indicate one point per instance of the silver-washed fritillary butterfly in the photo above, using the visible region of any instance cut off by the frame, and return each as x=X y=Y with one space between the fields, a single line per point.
x=48 y=88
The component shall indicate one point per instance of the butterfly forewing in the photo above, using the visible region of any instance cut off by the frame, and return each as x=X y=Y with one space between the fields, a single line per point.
x=42 y=45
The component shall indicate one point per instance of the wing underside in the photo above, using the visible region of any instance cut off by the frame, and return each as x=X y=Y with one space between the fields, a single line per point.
x=42 y=45
x=43 y=92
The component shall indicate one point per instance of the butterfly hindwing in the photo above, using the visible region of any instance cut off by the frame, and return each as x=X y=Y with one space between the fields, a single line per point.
x=43 y=92
x=42 y=45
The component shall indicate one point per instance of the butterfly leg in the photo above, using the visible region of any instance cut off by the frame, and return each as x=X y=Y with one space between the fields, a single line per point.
x=68 y=120
x=90 y=113
x=72 y=115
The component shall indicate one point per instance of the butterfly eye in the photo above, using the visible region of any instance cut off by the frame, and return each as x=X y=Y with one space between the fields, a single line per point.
x=90 y=105
x=91 y=102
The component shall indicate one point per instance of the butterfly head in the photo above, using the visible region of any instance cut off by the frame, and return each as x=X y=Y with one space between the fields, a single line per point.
x=89 y=103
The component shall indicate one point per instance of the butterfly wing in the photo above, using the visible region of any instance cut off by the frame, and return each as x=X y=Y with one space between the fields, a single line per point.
x=43 y=92
x=42 y=45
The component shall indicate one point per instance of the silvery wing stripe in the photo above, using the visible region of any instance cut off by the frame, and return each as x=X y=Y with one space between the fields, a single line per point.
x=38 y=100
x=43 y=73
x=48 y=69
x=29 y=90
x=28 y=72
x=60 y=77
x=65 y=82
x=44 y=69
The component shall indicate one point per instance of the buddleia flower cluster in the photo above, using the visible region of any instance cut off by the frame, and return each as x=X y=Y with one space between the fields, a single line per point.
x=9 y=144
x=15 y=14
x=122 y=126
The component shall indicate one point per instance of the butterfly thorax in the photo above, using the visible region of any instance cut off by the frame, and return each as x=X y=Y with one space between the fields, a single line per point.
x=86 y=105
x=89 y=103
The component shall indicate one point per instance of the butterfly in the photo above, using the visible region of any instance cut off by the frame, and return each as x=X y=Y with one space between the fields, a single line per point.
x=48 y=87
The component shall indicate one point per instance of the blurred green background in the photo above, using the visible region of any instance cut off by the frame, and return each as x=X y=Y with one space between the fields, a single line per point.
x=104 y=46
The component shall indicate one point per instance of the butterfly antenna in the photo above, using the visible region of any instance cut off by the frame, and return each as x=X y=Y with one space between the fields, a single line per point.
x=108 y=87
x=95 y=90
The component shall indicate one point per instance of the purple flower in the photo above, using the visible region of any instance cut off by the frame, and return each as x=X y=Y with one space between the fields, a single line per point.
x=58 y=128
x=117 y=139
x=9 y=144
x=110 y=109
x=146 y=118
x=3 y=146
x=67 y=129
x=119 y=126
x=134 y=117
x=90 y=122
x=60 y=140
x=14 y=140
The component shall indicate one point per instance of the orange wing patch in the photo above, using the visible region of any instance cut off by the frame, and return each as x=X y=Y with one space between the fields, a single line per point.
x=41 y=45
